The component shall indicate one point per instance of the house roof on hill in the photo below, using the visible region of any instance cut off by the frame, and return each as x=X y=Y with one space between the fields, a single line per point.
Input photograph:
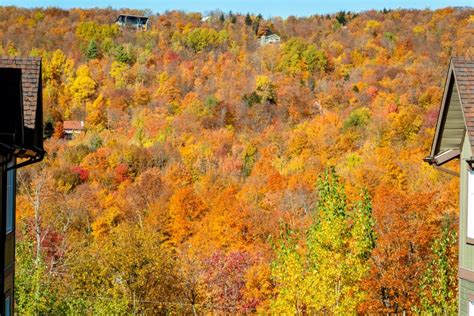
x=132 y=16
x=73 y=125
x=456 y=115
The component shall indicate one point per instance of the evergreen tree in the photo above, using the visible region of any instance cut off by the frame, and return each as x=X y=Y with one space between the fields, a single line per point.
x=248 y=20
x=92 y=50
x=233 y=18
x=256 y=26
x=341 y=17
x=48 y=128
x=123 y=55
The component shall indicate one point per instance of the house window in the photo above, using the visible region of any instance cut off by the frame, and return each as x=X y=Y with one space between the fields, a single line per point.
x=8 y=303
x=10 y=216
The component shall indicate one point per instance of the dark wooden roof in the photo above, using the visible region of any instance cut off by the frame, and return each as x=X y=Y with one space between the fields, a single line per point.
x=30 y=81
x=463 y=69
x=132 y=16
x=32 y=144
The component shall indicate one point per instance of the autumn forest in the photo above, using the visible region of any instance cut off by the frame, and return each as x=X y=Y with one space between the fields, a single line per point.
x=219 y=175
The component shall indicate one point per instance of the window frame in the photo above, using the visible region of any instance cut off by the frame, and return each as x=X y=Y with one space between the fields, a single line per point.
x=470 y=207
x=470 y=305
x=10 y=198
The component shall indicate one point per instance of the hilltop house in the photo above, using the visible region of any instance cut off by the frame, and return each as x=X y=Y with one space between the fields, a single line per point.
x=269 y=39
x=72 y=127
x=133 y=21
x=454 y=138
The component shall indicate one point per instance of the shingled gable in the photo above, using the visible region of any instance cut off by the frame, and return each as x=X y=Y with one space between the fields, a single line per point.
x=456 y=114
x=32 y=104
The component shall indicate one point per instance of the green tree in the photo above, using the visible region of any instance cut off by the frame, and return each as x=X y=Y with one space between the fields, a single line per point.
x=290 y=273
x=92 y=50
x=341 y=17
x=362 y=230
x=300 y=57
x=314 y=59
x=248 y=20
x=124 y=55
x=233 y=18
x=33 y=293
x=438 y=286
x=202 y=39
x=358 y=118
x=256 y=24
x=265 y=90
x=331 y=268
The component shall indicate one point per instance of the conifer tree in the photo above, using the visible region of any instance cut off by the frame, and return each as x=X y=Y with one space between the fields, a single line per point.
x=341 y=18
x=248 y=20
x=123 y=55
x=233 y=18
x=92 y=50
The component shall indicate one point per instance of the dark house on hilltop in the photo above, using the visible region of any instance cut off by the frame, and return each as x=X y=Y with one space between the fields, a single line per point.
x=133 y=21
x=454 y=139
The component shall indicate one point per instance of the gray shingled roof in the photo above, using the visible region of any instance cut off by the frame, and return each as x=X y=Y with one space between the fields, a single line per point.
x=30 y=81
x=463 y=69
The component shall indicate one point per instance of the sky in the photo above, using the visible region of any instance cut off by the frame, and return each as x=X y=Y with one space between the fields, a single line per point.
x=267 y=8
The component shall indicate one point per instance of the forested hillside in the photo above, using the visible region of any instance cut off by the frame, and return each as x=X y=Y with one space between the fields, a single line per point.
x=216 y=174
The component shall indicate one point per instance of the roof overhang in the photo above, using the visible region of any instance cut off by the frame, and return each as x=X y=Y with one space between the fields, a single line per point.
x=443 y=157
x=458 y=85
x=132 y=16
x=22 y=108
x=448 y=89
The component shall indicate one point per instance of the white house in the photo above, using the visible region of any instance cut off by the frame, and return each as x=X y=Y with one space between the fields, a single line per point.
x=269 y=39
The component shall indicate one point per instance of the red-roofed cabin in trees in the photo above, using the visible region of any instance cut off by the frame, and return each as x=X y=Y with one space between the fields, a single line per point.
x=72 y=128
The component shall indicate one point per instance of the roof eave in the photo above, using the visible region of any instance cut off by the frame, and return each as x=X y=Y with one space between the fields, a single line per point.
x=443 y=110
